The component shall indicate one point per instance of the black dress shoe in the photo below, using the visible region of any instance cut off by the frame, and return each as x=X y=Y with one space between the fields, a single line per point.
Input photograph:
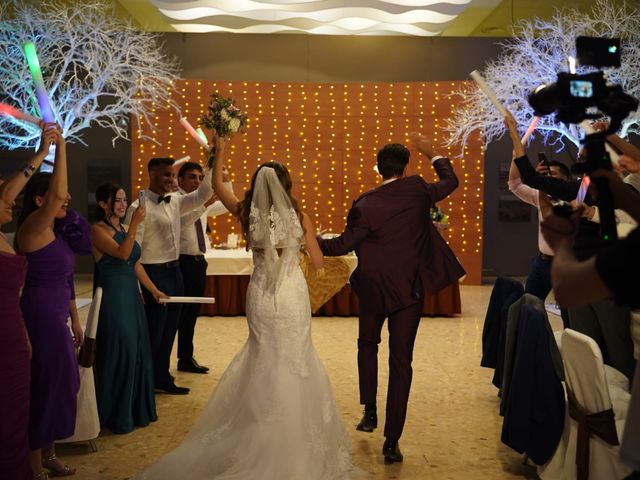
x=172 y=389
x=191 y=366
x=369 y=422
x=391 y=451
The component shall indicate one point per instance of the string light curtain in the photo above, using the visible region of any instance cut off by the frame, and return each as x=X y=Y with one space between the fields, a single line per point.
x=328 y=136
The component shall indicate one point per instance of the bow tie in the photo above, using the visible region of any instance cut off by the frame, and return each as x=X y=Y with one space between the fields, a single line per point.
x=164 y=198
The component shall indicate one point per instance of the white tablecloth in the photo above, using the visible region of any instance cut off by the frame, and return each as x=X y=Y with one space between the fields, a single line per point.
x=240 y=262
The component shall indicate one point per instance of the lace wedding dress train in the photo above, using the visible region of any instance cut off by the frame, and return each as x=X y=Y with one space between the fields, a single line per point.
x=273 y=415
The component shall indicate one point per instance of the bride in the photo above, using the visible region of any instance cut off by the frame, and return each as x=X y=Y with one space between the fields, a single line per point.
x=273 y=414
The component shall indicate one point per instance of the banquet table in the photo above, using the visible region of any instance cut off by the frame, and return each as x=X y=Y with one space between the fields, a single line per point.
x=228 y=273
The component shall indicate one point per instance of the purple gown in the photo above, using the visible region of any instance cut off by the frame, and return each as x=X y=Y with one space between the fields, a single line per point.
x=45 y=300
x=14 y=372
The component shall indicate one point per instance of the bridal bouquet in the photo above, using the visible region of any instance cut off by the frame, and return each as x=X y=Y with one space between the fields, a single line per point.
x=439 y=218
x=223 y=116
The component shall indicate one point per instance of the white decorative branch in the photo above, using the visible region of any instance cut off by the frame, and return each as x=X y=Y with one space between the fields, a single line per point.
x=533 y=58
x=98 y=69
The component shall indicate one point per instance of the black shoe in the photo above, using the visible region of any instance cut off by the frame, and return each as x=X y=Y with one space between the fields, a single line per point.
x=191 y=366
x=369 y=422
x=172 y=389
x=391 y=451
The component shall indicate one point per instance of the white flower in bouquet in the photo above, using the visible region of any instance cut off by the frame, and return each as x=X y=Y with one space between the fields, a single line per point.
x=234 y=125
x=224 y=114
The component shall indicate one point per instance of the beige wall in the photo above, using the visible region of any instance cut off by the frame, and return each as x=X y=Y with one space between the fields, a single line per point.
x=317 y=58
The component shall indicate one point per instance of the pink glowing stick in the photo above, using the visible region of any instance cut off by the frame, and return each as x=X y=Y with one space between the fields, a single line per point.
x=185 y=123
x=532 y=127
x=38 y=82
x=582 y=191
x=10 y=111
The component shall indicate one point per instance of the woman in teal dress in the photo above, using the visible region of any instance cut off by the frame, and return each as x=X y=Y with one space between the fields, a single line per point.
x=124 y=367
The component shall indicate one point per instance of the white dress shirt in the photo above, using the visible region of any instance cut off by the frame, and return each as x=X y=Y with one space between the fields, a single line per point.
x=531 y=196
x=159 y=233
x=188 y=237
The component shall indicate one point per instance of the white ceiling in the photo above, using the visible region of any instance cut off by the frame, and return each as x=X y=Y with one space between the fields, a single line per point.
x=326 y=17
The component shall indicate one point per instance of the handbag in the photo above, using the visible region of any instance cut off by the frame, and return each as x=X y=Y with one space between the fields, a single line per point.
x=324 y=283
x=87 y=355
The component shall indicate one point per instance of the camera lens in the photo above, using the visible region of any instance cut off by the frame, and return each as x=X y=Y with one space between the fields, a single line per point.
x=544 y=99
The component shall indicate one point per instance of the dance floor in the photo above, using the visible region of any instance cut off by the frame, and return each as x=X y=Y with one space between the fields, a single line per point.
x=452 y=430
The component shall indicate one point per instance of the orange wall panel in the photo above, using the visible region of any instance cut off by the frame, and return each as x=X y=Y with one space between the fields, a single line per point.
x=328 y=136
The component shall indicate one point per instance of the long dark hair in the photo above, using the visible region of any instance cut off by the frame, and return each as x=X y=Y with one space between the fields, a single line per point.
x=244 y=206
x=105 y=193
x=38 y=185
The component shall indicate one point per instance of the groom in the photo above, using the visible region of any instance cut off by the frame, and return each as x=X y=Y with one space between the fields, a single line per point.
x=400 y=254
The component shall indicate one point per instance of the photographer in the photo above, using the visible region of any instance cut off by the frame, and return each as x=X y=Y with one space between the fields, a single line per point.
x=611 y=273
x=603 y=320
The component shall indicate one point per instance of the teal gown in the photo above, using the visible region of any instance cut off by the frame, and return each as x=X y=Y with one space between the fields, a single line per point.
x=124 y=366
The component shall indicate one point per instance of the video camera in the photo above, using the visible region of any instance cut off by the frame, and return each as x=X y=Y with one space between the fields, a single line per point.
x=573 y=95
x=575 y=98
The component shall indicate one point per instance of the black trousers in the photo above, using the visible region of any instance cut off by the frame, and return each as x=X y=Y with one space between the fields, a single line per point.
x=403 y=327
x=608 y=324
x=162 y=320
x=194 y=273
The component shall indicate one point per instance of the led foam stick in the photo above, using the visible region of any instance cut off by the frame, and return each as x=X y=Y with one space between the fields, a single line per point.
x=185 y=123
x=582 y=191
x=10 y=111
x=488 y=92
x=182 y=160
x=94 y=314
x=202 y=135
x=532 y=127
x=38 y=82
x=188 y=300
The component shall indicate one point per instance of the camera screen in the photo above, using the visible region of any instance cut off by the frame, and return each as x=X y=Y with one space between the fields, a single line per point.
x=581 y=88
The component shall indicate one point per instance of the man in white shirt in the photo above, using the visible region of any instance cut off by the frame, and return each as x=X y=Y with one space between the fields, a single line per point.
x=193 y=245
x=159 y=238
x=539 y=277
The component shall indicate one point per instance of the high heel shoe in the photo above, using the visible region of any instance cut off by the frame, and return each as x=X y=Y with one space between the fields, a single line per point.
x=52 y=464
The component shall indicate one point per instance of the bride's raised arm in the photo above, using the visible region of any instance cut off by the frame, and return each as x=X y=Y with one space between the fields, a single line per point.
x=226 y=196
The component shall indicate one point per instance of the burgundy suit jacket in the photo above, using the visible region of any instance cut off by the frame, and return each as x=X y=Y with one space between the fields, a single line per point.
x=399 y=250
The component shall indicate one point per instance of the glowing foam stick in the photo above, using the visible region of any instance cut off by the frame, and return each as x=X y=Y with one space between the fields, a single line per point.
x=532 y=127
x=202 y=135
x=488 y=92
x=188 y=300
x=182 y=160
x=10 y=111
x=38 y=82
x=94 y=313
x=187 y=126
x=582 y=191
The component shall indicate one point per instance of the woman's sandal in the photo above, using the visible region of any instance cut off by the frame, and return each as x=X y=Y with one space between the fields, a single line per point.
x=41 y=475
x=54 y=470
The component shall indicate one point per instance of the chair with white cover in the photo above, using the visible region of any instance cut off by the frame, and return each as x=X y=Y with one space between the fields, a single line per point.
x=87 y=420
x=598 y=399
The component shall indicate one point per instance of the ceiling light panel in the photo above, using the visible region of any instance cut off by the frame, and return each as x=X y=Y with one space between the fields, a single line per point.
x=326 y=17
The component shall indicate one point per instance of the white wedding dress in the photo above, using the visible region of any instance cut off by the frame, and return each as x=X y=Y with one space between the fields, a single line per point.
x=272 y=416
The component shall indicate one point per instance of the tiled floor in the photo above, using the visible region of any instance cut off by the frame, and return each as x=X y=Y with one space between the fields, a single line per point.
x=453 y=426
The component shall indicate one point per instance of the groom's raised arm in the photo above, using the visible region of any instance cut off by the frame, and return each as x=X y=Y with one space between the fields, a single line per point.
x=356 y=230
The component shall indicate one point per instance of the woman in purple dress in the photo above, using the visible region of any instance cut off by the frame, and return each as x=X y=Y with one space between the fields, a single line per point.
x=15 y=349
x=47 y=301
